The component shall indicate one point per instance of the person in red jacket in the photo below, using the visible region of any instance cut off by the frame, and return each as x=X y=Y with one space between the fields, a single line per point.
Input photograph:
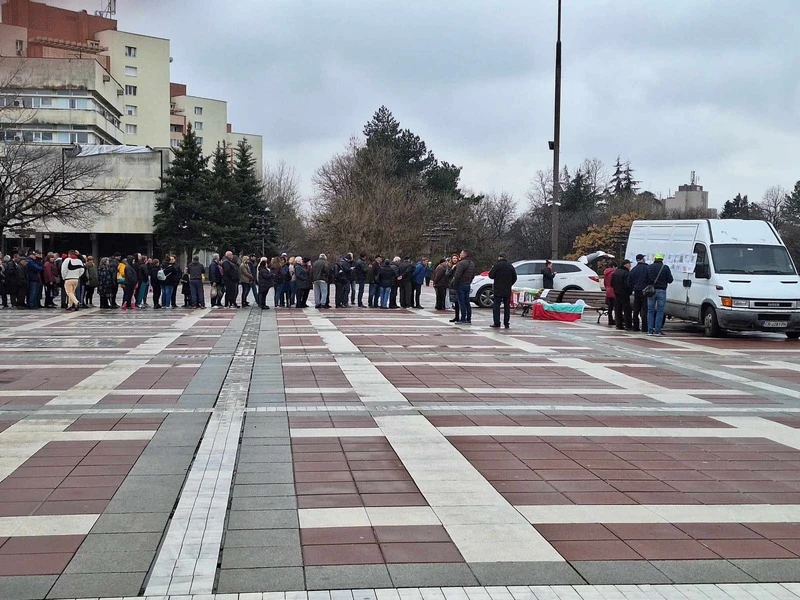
x=609 y=291
x=50 y=279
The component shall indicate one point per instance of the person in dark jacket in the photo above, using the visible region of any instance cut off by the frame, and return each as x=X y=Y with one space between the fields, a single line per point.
x=22 y=283
x=418 y=278
x=372 y=279
x=548 y=275
x=621 y=282
x=440 y=283
x=405 y=282
x=638 y=282
x=462 y=279
x=505 y=276
x=196 y=271
x=142 y=281
x=360 y=270
x=155 y=284
x=230 y=276
x=265 y=278
x=35 y=271
x=319 y=280
x=386 y=281
x=105 y=283
x=173 y=278
x=659 y=276
x=302 y=280
x=113 y=264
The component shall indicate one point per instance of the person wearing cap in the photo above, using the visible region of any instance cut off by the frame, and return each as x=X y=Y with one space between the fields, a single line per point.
x=639 y=282
x=621 y=282
x=504 y=276
x=659 y=276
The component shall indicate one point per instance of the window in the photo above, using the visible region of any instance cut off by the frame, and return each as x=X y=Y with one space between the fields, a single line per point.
x=130 y=51
x=175 y=143
x=130 y=90
x=131 y=110
x=42 y=102
x=80 y=103
x=198 y=125
x=530 y=268
x=130 y=129
x=755 y=259
x=198 y=110
x=42 y=136
x=566 y=268
x=131 y=71
x=20 y=47
x=200 y=141
x=701 y=266
x=176 y=128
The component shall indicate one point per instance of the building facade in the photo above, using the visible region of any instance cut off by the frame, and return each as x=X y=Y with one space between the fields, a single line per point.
x=67 y=78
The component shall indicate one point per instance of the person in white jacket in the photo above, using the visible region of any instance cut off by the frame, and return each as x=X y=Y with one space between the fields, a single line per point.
x=72 y=269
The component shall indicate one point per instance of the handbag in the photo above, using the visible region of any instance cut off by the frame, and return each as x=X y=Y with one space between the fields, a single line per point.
x=650 y=290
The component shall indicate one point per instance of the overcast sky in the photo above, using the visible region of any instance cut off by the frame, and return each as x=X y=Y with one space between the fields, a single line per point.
x=673 y=86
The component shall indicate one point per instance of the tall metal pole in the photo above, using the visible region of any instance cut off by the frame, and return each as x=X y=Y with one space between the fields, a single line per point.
x=556 y=139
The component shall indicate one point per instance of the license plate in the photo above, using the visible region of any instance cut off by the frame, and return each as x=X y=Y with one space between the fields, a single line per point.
x=774 y=324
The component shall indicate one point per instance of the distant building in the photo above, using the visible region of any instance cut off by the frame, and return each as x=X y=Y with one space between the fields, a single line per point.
x=68 y=77
x=688 y=198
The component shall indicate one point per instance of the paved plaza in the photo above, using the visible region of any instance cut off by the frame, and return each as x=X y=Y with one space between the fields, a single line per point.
x=361 y=454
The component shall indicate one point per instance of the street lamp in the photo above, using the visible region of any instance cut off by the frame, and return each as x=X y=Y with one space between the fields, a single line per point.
x=554 y=146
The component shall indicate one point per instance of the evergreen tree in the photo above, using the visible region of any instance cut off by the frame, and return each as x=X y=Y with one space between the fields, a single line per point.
x=221 y=195
x=409 y=151
x=252 y=224
x=792 y=205
x=579 y=196
x=737 y=208
x=629 y=184
x=617 y=183
x=182 y=206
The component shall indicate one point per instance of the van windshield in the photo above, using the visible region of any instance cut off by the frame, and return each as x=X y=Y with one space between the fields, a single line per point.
x=752 y=259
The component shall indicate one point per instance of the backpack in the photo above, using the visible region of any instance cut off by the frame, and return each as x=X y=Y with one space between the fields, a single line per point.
x=161 y=276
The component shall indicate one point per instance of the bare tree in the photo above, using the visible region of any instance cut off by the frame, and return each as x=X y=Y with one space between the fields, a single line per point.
x=41 y=184
x=282 y=195
x=772 y=207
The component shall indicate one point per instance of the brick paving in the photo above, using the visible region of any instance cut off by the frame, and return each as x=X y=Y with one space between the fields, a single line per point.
x=392 y=456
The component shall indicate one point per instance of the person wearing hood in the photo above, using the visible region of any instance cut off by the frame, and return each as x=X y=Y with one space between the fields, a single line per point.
x=197 y=272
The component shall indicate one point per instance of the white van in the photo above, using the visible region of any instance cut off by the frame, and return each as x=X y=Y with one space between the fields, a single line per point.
x=730 y=274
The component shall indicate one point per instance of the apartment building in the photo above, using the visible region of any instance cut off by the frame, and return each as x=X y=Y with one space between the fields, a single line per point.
x=69 y=77
x=209 y=119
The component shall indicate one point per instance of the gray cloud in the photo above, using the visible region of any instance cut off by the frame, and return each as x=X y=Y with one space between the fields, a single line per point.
x=672 y=86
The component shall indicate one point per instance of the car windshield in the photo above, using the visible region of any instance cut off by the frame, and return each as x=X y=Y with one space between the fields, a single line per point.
x=752 y=259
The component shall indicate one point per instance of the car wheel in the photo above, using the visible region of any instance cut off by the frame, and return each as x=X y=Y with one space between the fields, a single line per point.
x=711 y=326
x=575 y=288
x=485 y=297
x=793 y=335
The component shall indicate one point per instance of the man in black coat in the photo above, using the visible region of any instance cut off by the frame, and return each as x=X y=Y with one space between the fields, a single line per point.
x=639 y=282
x=621 y=282
x=230 y=277
x=505 y=276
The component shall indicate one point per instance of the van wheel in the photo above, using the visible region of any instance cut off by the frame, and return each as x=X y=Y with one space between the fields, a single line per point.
x=793 y=335
x=710 y=324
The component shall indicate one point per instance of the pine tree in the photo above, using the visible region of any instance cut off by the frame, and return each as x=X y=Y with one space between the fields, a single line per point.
x=182 y=206
x=629 y=184
x=220 y=194
x=792 y=206
x=738 y=208
x=253 y=225
x=617 y=183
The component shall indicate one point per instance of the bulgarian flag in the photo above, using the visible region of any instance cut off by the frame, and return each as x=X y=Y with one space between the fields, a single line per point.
x=558 y=311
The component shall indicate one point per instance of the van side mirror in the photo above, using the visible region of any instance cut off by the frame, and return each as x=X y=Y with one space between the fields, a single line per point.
x=702 y=272
x=687 y=283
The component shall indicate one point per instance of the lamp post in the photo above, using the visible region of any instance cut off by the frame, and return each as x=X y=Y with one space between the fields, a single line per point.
x=556 y=139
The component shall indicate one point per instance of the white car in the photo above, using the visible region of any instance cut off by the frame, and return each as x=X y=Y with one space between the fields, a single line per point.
x=570 y=275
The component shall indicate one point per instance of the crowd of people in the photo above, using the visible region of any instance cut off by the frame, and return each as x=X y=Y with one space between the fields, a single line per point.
x=35 y=281
x=647 y=284
x=72 y=280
